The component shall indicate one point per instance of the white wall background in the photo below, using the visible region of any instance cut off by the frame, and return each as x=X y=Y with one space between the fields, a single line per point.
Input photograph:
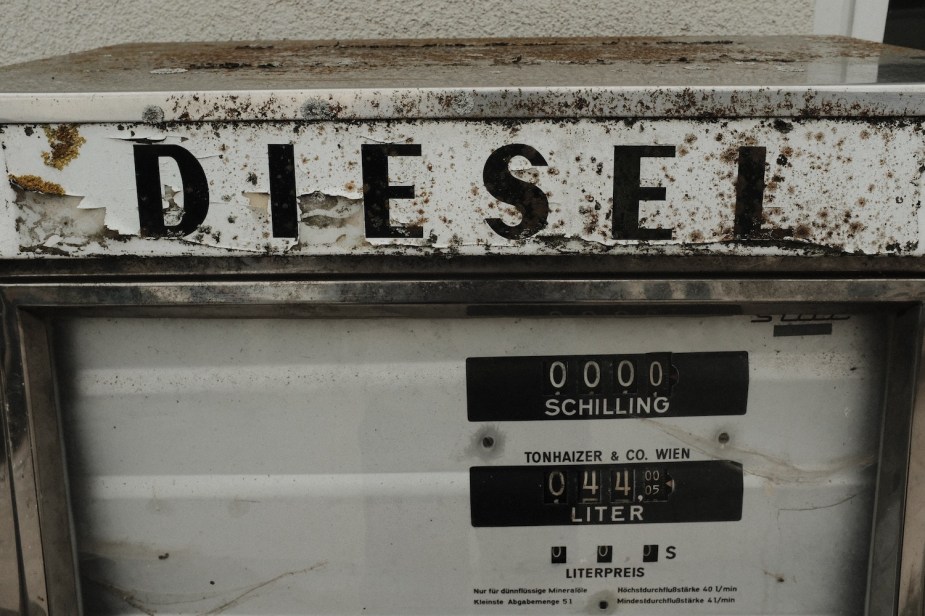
x=39 y=28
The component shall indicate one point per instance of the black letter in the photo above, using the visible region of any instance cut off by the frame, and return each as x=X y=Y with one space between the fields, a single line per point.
x=148 y=186
x=377 y=191
x=750 y=197
x=528 y=198
x=284 y=212
x=627 y=193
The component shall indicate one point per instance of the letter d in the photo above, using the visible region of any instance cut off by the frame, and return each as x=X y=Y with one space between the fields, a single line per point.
x=148 y=185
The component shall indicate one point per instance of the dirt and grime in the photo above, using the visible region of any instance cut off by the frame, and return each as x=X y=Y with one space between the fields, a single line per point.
x=581 y=77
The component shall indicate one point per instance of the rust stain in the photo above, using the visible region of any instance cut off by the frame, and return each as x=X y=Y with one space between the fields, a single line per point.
x=65 y=142
x=36 y=184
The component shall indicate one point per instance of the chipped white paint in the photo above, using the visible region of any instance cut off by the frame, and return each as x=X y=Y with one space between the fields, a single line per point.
x=830 y=185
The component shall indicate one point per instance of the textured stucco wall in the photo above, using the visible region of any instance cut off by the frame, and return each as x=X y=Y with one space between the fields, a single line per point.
x=38 y=28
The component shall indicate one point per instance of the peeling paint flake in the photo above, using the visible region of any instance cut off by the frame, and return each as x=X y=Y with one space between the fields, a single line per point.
x=258 y=200
x=36 y=184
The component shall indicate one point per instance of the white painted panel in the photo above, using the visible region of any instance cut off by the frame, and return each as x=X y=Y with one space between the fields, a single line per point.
x=828 y=186
x=322 y=466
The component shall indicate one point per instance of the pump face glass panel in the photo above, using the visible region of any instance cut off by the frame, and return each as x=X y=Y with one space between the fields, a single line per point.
x=494 y=465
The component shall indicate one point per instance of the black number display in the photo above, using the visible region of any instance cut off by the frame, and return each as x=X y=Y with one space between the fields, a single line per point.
x=707 y=491
x=607 y=386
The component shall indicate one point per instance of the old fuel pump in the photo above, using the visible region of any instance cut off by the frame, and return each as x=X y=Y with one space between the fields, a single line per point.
x=472 y=327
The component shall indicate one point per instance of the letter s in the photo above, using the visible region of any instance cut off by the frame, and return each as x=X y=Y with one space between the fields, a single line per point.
x=552 y=405
x=528 y=198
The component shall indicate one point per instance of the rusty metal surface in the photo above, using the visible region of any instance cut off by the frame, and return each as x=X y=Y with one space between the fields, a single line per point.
x=642 y=77
x=462 y=63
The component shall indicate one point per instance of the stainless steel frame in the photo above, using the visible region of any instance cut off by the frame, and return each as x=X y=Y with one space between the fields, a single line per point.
x=38 y=573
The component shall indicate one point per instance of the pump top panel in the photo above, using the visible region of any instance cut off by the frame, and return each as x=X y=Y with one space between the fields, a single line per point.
x=775 y=147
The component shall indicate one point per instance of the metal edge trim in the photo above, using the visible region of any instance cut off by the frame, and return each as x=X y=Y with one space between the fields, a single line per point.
x=495 y=291
x=887 y=553
x=30 y=555
x=694 y=102
x=59 y=555
x=11 y=580
x=912 y=563
x=572 y=266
